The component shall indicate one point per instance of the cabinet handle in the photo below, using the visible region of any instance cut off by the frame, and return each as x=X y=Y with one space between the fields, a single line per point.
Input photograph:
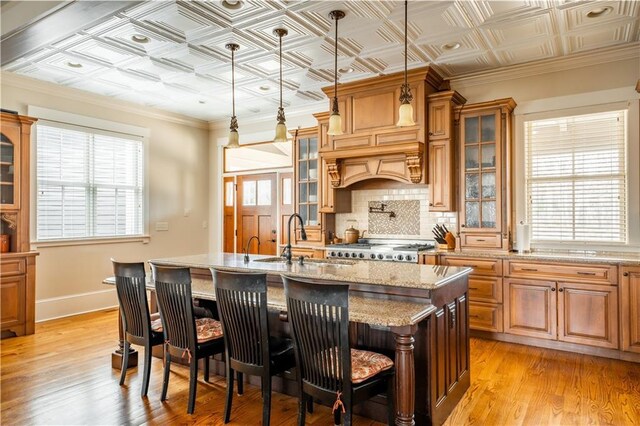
x=625 y=274
x=530 y=269
x=552 y=288
x=473 y=288
x=470 y=266
x=475 y=316
x=561 y=289
x=480 y=240
x=586 y=273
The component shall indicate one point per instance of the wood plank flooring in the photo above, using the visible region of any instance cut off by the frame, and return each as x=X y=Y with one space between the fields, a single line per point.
x=63 y=375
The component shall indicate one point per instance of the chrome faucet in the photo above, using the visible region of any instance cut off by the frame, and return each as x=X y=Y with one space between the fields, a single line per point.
x=246 y=250
x=303 y=235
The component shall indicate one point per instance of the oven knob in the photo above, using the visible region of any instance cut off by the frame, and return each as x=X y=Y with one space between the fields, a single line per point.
x=361 y=255
x=332 y=254
x=372 y=256
x=354 y=255
x=409 y=258
x=339 y=254
x=380 y=257
x=400 y=257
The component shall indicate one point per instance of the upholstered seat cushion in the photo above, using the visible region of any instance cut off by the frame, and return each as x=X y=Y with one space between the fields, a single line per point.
x=206 y=328
x=366 y=364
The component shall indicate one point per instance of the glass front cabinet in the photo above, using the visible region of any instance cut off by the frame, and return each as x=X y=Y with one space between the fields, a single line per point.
x=485 y=188
x=307 y=177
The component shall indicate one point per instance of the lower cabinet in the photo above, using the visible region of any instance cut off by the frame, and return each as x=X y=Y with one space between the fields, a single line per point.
x=12 y=311
x=630 y=306
x=17 y=293
x=579 y=313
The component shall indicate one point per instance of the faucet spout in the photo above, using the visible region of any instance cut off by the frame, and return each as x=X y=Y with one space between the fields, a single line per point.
x=303 y=235
x=246 y=250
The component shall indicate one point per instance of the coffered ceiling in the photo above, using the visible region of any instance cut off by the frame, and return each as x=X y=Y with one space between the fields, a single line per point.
x=179 y=62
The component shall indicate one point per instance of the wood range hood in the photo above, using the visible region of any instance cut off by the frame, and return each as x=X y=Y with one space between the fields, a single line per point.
x=372 y=146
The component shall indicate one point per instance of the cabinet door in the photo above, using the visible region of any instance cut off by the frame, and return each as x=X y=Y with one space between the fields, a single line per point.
x=441 y=182
x=440 y=119
x=13 y=307
x=530 y=308
x=588 y=314
x=481 y=178
x=485 y=317
x=10 y=166
x=630 y=303
x=307 y=177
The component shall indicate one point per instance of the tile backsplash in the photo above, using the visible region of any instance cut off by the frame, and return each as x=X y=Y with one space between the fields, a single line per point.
x=411 y=205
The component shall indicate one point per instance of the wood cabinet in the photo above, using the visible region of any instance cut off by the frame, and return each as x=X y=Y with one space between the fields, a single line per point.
x=630 y=308
x=586 y=314
x=485 y=181
x=311 y=253
x=17 y=273
x=441 y=165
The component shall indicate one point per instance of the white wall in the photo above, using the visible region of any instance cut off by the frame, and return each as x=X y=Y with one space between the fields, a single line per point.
x=68 y=279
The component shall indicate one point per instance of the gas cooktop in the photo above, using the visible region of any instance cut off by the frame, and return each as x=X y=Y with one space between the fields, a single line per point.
x=380 y=249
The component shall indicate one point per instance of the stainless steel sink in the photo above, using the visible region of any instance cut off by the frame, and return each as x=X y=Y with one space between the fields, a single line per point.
x=307 y=260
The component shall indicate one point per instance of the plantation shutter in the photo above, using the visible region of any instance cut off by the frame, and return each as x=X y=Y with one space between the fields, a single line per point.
x=89 y=183
x=576 y=178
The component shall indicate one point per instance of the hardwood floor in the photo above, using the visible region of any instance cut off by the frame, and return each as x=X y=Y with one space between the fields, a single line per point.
x=63 y=375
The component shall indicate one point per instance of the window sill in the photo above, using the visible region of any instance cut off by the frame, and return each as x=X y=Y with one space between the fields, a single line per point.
x=144 y=239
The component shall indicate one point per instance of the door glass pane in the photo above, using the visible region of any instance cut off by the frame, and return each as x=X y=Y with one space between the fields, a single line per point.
x=287 y=191
x=313 y=169
x=313 y=192
x=264 y=192
x=303 y=192
x=313 y=214
x=313 y=148
x=302 y=151
x=228 y=194
x=249 y=193
x=488 y=185
x=472 y=213
x=7 y=170
x=471 y=157
x=302 y=170
x=489 y=214
x=471 y=185
x=489 y=155
x=471 y=130
x=488 y=128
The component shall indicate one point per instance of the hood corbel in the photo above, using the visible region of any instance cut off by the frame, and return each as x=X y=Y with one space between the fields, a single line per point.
x=414 y=164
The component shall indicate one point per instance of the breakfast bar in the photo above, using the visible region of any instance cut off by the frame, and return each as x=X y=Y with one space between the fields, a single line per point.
x=415 y=313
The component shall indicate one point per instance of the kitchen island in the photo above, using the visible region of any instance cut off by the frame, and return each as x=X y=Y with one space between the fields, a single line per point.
x=417 y=314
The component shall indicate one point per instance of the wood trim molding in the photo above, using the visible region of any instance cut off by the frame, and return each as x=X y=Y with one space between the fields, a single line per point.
x=414 y=164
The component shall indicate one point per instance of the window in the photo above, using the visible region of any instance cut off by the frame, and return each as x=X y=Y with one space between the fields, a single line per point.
x=90 y=184
x=576 y=181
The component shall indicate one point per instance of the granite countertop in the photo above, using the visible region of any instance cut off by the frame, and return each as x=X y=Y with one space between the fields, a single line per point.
x=625 y=259
x=386 y=313
x=394 y=274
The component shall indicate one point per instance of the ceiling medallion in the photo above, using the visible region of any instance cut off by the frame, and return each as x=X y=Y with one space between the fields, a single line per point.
x=74 y=65
x=139 y=38
x=232 y=4
x=335 y=121
x=451 y=46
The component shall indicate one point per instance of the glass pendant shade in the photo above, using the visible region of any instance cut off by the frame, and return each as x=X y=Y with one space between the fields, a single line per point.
x=335 y=124
x=281 y=133
x=405 y=116
x=234 y=139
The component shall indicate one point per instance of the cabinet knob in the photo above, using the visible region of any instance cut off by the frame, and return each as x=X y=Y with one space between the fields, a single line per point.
x=463 y=225
x=430 y=204
x=625 y=274
x=561 y=289
x=553 y=289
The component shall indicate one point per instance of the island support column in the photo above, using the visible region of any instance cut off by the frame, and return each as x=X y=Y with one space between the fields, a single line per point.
x=405 y=386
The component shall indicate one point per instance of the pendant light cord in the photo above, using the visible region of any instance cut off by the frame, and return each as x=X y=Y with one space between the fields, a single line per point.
x=405 y=41
x=233 y=82
x=335 y=65
x=280 y=37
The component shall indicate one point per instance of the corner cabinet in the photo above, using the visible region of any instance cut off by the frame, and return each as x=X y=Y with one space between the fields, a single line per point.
x=485 y=181
x=17 y=263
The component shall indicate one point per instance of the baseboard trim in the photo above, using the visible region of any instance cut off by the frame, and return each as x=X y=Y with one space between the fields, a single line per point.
x=74 y=304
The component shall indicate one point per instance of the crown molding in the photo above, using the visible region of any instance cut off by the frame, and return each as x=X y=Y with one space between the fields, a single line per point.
x=546 y=66
x=32 y=84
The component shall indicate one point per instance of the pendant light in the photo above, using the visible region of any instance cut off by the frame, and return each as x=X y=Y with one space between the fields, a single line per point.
x=405 y=115
x=281 y=127
x=234 y=138
x=335 y=121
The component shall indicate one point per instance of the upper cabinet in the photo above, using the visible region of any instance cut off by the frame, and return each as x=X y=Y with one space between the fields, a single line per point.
x=307 y=176
x=485 y=184
x=441 y=163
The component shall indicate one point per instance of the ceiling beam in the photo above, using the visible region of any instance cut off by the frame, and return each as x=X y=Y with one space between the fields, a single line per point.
x=67 y=20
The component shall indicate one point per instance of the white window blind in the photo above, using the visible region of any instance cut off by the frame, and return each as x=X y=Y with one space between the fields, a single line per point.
x=576 y=178
x=90 y=184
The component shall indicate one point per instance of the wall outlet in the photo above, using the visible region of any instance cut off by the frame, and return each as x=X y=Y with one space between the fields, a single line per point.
x=162 y=226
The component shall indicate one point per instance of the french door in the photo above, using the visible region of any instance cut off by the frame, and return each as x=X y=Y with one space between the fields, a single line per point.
x=256 y=213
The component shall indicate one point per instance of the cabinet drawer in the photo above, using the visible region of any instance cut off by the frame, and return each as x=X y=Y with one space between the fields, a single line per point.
x=485 y=317
x=307 y=252
x=485 y=289
x=481 y=240
x=480 y=266
x=10 y=267
x=313 y=234
x=600 y=274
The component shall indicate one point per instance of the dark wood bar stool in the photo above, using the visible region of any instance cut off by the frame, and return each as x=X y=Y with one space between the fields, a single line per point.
x=242 y=306
x=134 y=311
x=184 y=335
x=328 y=369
